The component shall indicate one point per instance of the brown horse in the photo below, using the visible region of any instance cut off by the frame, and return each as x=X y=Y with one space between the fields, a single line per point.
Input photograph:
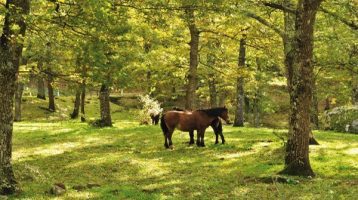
x=188 y=121
x=216 y=125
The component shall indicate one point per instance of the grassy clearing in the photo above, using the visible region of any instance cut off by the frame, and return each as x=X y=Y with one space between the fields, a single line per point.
x=129 y=161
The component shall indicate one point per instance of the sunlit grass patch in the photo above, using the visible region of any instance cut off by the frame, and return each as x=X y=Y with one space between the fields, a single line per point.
x=129 y=161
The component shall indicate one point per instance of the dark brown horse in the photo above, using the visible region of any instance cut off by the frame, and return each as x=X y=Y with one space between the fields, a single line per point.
x=155 y=118
x=187 y=121
x=216 y=125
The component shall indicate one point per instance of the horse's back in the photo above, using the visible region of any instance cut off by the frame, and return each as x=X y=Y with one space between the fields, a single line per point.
x=182 y=120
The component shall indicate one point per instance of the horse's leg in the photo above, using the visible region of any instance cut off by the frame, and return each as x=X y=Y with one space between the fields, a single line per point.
x=191 y=134
x=217 y=137
x=170 y=134
x=198 y=135
x=222 y=138
x=166 y=140
x=202 y=144
x=200 y=139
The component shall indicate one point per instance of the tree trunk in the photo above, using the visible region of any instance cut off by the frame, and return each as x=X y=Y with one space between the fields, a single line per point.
x=355 y=94
x=222 y=98
x=83 y=100
x=256 y=109
x=76 y=107
x=314 y=107
x=190 y=102
x=212 y=92
x=51 y=96
x=40 y=82
x=18 y=99
x=314 y=113
x=104 y=106
x=211 y=79
x=300 y=74
x=240 y=103
x=10 y=54
x=327 y=104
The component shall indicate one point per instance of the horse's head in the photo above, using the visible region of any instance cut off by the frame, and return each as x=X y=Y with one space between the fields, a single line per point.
x=225 y=115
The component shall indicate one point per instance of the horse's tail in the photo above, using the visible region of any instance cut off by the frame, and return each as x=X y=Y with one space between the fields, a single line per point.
x=163 y=125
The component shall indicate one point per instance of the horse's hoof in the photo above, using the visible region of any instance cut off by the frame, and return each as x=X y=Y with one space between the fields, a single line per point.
x=216 y=142
x=166 y=146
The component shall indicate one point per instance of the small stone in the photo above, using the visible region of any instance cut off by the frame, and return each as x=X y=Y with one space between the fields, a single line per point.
x=58 y=189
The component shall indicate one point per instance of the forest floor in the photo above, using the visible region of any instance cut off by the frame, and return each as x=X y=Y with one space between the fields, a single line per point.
x=129 y=161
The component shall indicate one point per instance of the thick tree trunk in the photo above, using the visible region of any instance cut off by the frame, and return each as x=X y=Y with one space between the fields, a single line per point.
x=300 y=74
x=18 y=99
x=104 y=106
x=51 y=96
x=76 y=107
x=240 y=103
x=10 y=54
x=314 y=107
x=41 y=94
x=190 y=102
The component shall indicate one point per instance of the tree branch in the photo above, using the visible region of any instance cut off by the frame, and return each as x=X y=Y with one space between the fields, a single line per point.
x=222 y=34
x=279 y=6
x=353 y=25
x=265 y=22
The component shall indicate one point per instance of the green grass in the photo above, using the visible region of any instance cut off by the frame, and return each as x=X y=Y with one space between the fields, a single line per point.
x=129 y=161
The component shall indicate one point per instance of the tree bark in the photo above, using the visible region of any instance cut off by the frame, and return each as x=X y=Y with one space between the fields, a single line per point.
x=40 y=82
x=10 y=54
x=76 y=107
x=355 y=94
x=51 y=96
x=18 y=99
x=212 y=91
x=104 y=106
x=240 y=103
x=354 y=77
x=222 y=98
x=300 y=74
x=258 y=94
x=83 y=100
x=314 y=107
x=190 y=102
x=327 y=104
x=314 y=114
x=212 y=79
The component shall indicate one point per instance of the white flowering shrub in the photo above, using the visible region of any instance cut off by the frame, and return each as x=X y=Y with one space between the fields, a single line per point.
x=340 y=118
x=151 y=107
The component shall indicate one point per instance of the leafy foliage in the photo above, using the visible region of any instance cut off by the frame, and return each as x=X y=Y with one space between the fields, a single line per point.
x=151 y=107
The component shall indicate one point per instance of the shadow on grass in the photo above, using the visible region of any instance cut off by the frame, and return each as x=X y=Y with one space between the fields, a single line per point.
x=131 y=163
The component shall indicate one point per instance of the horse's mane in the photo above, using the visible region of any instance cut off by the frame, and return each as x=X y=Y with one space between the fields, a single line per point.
x=214 y=112
x=178 y=109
